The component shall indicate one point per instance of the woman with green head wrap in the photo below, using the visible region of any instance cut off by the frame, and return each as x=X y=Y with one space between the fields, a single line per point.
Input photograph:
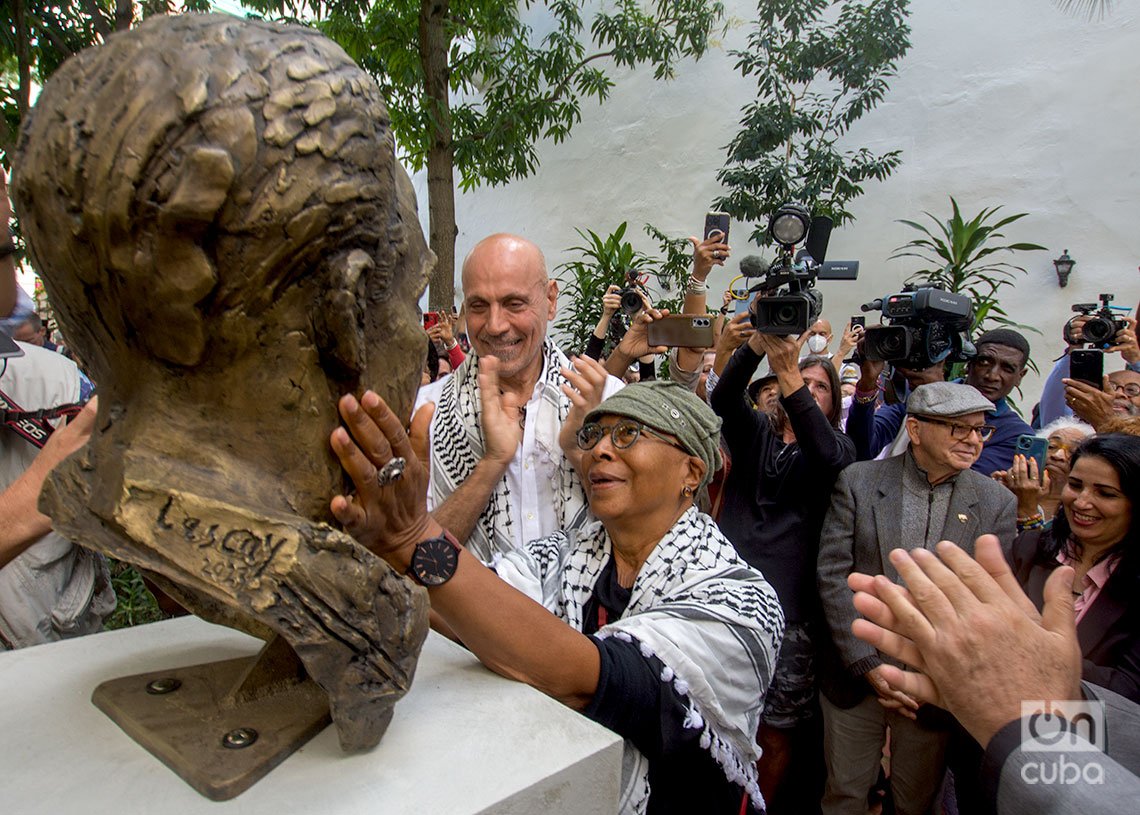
x=645 y=620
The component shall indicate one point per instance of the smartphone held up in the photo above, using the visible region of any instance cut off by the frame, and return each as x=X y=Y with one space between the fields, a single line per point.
x=717 y=222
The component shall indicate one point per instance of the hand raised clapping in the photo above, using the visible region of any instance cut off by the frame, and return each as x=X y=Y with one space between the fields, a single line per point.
x=586 y=383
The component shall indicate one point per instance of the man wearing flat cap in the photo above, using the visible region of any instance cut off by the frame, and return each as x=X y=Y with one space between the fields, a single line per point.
x=927 y=494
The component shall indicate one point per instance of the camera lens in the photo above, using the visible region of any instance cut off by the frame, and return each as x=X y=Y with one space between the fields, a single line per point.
x=786 y=314
x=631 y=301
x=892 y=344
x=888 y=342
x=1098 y=330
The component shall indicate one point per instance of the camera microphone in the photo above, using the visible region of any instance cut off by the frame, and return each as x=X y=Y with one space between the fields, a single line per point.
x=874 y=305
x=754 y=266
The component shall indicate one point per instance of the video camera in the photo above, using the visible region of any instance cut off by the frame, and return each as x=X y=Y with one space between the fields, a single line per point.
x=927 y=325
x=788 y=303
x=1099 y=331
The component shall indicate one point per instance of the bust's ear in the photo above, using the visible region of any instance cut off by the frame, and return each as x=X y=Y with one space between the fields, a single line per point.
x=339 y=320
x=170 y=272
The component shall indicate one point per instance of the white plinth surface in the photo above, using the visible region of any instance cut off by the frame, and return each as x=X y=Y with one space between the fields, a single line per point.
x=462 y=741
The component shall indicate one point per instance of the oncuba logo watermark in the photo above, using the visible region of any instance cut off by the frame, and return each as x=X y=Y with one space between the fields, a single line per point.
x=1059 y=729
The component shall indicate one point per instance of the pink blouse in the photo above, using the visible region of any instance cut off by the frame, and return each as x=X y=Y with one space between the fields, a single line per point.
x=1089 y=585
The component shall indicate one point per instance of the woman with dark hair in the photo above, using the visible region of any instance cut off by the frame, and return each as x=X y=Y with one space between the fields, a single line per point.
x=1095 y=532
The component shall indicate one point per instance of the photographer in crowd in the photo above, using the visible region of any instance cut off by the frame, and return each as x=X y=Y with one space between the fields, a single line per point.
x=442 y=335
x=774 y=503
x=1119 y=394
x=595 y=345
x=995 y=370
x=734 y=333
x=1039 y=493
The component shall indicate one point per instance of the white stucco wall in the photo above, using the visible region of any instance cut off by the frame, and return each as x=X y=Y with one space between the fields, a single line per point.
x=1009 y=103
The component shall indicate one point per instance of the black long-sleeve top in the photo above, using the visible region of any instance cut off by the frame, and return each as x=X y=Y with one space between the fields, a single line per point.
x=777 y=494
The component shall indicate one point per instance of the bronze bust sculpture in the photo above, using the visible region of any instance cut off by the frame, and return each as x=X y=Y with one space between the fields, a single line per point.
x=217 y=214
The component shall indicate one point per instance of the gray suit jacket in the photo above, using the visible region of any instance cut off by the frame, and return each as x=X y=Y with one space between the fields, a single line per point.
x=1115 y=789
x=864 y=524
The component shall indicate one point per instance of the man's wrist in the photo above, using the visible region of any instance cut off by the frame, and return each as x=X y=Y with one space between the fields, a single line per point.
x=862 y=667
x=493 y=466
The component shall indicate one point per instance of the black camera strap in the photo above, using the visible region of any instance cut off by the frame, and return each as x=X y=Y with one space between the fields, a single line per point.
x=33 y=425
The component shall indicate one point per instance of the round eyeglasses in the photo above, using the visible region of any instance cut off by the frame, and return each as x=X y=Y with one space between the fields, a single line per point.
x=622 y=434
x=1131 y=390
x=960 y=430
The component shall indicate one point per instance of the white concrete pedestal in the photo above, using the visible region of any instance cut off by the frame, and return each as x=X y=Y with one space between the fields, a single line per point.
x=463 y=741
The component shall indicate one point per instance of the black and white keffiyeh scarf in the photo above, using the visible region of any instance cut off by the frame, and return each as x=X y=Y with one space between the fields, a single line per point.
x=714 y=622
x=457 y=444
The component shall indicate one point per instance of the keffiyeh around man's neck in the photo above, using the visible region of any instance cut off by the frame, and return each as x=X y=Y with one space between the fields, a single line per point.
x=458 y=444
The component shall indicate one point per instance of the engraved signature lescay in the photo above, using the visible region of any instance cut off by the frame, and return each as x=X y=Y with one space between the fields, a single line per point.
x=233 y=556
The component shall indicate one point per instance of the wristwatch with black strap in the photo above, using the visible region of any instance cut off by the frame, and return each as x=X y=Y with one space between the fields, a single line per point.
x=435 y=560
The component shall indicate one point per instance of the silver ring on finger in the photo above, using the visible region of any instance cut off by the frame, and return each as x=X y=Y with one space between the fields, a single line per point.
x=392 y=471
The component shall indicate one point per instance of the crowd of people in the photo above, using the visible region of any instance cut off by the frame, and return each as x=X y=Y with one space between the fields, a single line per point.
x=711 y=566
x=787 y=489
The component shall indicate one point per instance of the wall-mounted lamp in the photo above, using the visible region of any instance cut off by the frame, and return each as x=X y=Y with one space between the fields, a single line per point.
x=1064 y=266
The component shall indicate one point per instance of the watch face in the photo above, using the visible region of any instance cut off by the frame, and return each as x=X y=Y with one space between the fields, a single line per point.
x=434 y=562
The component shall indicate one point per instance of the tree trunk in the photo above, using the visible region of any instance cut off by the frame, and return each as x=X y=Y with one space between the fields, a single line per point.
x=23 y=60
x=434 y=48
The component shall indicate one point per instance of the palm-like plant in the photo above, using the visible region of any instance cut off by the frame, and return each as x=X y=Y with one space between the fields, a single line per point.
x=1092 y=9
x=961 y=253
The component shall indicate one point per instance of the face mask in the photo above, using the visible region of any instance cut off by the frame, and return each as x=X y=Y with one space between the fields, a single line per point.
x=817 y=343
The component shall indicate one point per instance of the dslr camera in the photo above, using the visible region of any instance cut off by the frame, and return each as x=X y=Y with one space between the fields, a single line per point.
x=788 y=303
x=1100 y=330
x=927 y=325
x=632 y=295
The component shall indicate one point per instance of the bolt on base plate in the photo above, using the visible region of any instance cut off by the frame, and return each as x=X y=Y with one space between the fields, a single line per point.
x=201 y=729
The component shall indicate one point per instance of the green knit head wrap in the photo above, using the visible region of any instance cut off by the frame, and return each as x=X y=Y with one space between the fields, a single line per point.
x=671 y=409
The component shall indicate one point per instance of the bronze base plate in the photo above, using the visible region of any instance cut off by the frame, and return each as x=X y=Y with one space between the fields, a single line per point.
x=186 y=728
